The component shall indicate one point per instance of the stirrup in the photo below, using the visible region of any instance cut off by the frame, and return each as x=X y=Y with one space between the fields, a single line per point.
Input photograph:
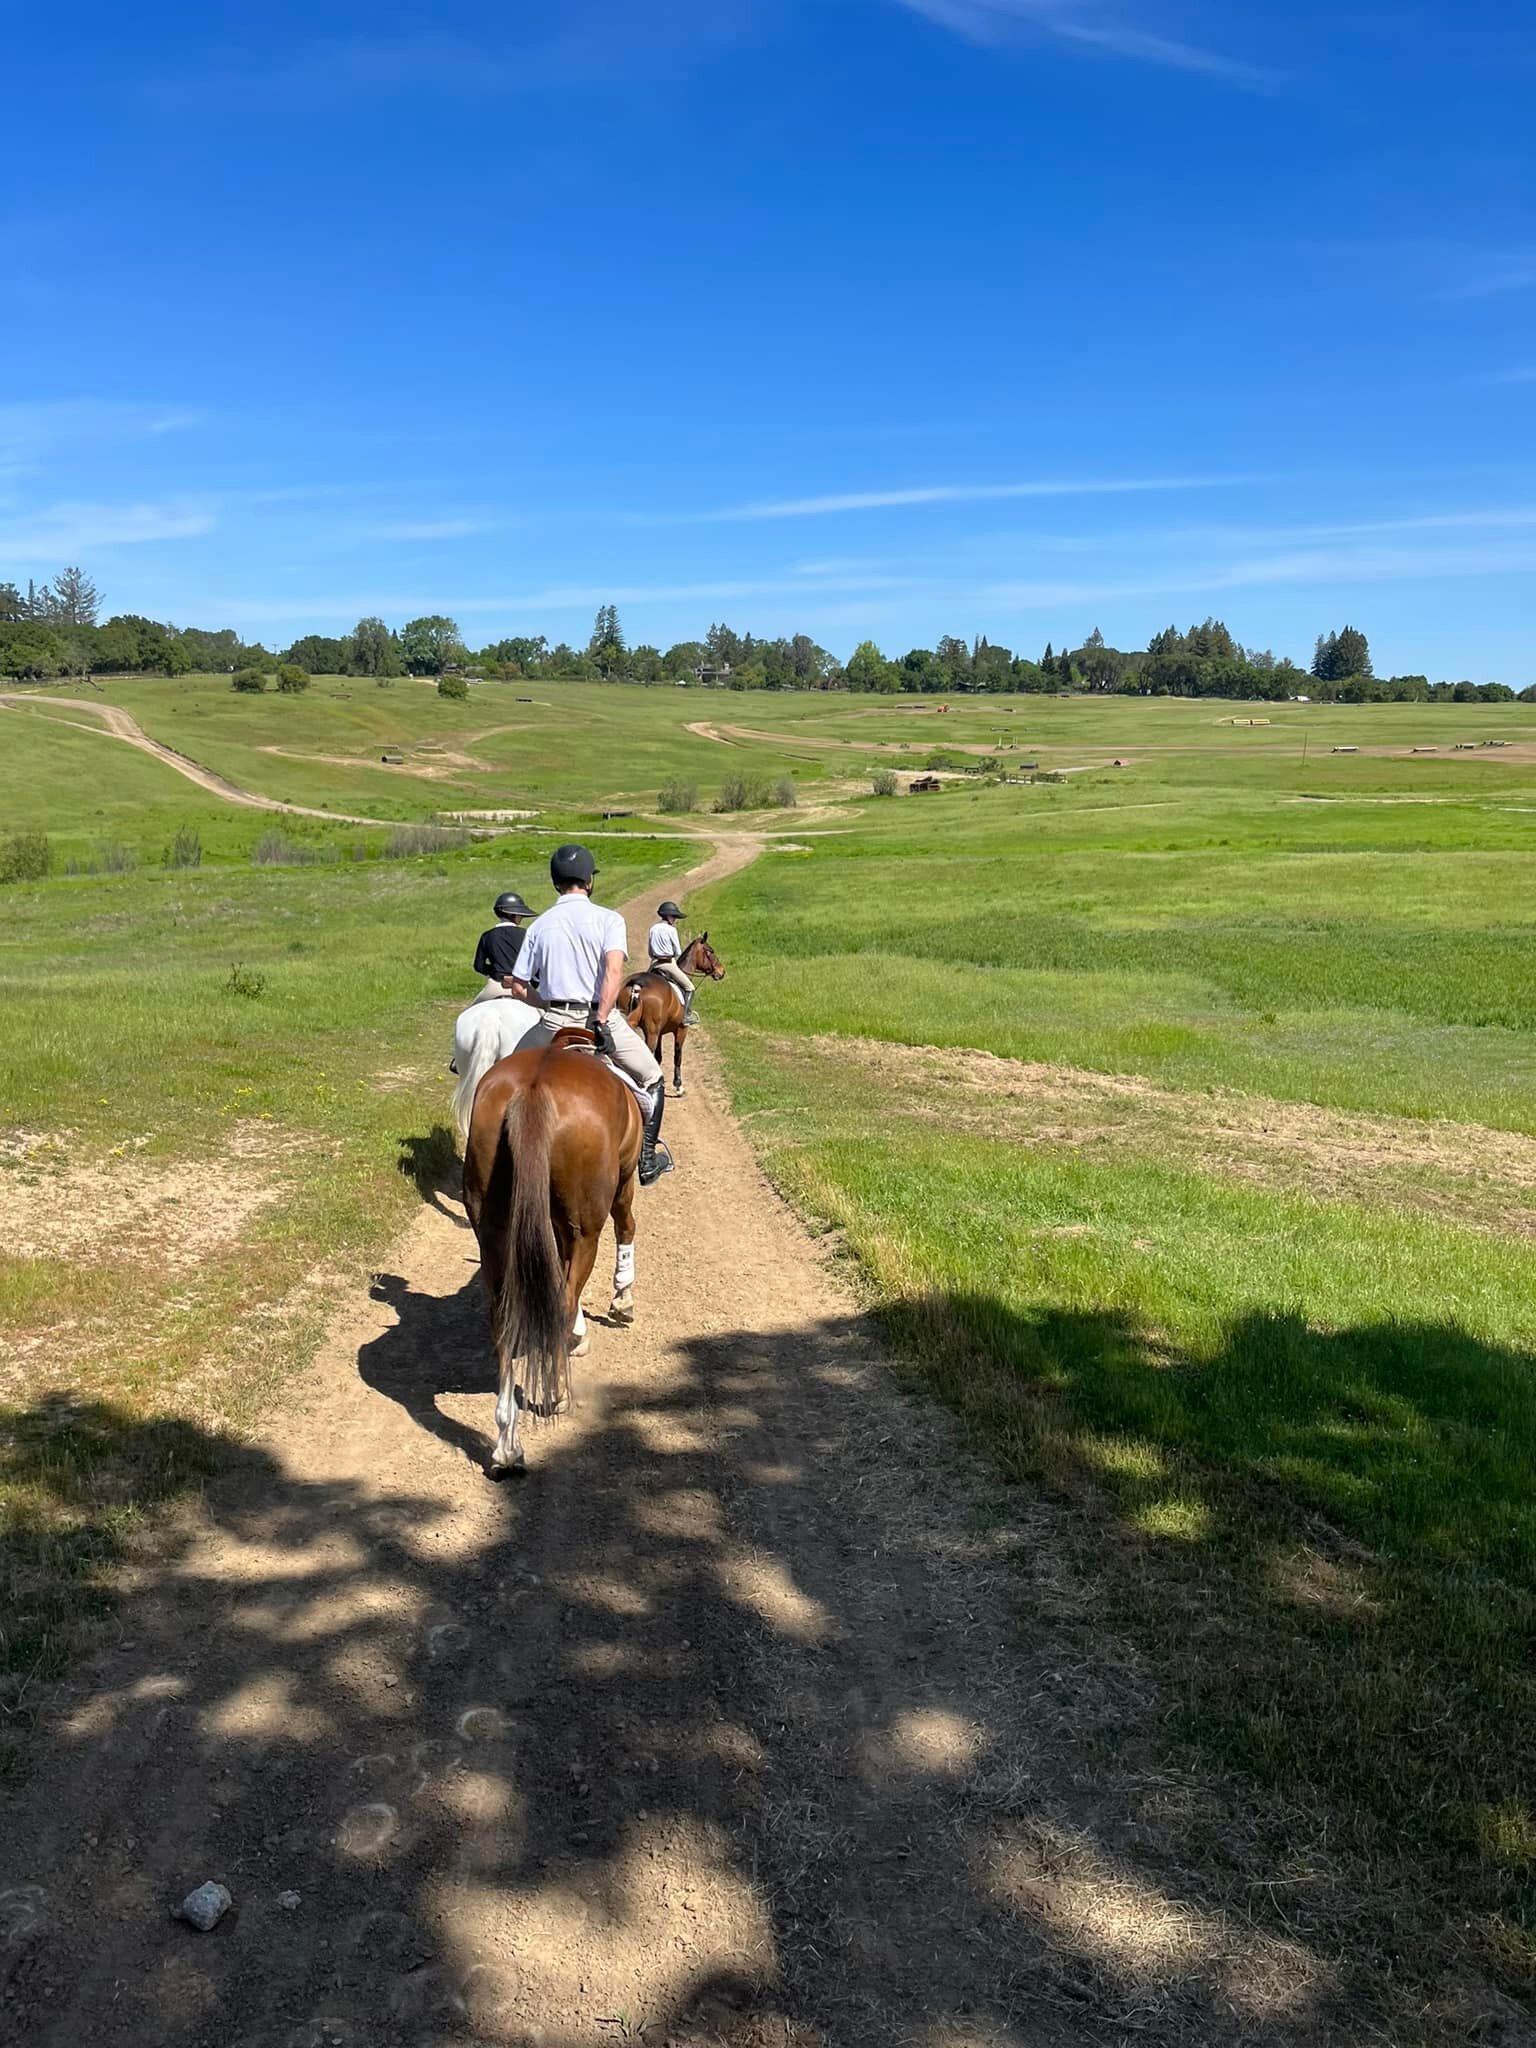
x=661 y=1162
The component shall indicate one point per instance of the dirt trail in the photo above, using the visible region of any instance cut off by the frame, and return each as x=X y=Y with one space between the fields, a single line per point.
x=118 y=725
x=745 y=1717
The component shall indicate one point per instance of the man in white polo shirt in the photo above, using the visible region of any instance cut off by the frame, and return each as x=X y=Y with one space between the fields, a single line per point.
x=575 y=952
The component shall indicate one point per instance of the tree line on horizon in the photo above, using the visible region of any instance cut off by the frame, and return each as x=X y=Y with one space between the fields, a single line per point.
x=54 y=632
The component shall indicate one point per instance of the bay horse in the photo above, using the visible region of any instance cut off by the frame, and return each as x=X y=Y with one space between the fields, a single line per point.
x=654 y=1006
x=553 y=1152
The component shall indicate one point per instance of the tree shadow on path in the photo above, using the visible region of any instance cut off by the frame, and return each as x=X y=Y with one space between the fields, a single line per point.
x=743 y=1720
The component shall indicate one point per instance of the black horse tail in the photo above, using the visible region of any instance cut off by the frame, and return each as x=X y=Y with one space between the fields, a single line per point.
x=531 y=1320
x=629 y=996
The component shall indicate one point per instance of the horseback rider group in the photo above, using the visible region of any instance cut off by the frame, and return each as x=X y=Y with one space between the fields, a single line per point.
x=569 y=964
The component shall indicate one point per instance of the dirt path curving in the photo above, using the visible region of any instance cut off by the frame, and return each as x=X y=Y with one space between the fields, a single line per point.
x=117 y=724
x=744 y=1718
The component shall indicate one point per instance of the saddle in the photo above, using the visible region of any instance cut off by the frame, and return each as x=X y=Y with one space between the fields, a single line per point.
x=574 y=1038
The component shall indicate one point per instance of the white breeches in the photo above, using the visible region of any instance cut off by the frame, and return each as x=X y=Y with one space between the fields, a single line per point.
x=674 y=974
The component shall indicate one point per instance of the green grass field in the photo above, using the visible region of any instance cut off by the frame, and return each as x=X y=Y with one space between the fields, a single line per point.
x=1179 y=1120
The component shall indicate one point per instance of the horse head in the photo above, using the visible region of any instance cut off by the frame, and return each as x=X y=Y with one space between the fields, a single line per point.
x=705 y=959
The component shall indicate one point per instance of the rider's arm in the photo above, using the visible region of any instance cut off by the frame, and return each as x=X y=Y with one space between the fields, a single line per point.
x=527 y=959
x=608 y=987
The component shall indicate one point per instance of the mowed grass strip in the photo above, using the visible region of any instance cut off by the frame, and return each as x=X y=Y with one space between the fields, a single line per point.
x=225 y=1091
x=1303 y=1429
x=1395 y=983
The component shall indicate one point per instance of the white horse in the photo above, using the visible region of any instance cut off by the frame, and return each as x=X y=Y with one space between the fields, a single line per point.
x=483 y=1034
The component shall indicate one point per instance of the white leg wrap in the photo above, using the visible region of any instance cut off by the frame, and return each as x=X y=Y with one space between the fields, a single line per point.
x=624 y=1268
x=579 y=1327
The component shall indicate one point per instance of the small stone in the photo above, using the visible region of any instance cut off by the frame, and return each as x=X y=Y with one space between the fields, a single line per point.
x=205 y=1907
x=290 y=1901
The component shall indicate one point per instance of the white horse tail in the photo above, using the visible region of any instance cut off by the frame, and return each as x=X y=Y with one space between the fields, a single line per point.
x=484 y=1033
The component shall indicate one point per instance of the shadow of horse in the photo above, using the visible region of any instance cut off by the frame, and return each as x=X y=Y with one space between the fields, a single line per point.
x=437 y=1346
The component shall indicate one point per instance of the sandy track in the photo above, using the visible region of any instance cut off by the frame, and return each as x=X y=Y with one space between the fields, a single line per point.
x=115 y=723
x=725 y=1721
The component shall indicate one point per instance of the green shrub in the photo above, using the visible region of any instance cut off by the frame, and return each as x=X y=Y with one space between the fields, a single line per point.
x=28 y=856
x=737 y=793
x=678 y=796
x=244 y=981
x=110 y=858
x=785 y=795
x=884 y=783
x=454 y=687
x=249 y=681
x=276 y=849
x=291 y=679
x=406 y=840
x=186 y=849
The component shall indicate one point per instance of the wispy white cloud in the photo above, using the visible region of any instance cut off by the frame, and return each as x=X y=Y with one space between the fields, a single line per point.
x=569 y=46
x=951 y=494
x=579 y=597
x=65 y=532
x=1366 y=564
x=1073 y=21
x=428 y=529
x=30 y=427
x=1494 y=280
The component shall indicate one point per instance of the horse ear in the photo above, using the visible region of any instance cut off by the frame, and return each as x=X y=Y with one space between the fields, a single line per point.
x=703 y=938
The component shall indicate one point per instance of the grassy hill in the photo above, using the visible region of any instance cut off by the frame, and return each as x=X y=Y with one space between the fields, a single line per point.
x=1178 y=1118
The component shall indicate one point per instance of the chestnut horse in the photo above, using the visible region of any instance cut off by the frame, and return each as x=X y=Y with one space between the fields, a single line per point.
x=553 y=1152
x=655 y=1006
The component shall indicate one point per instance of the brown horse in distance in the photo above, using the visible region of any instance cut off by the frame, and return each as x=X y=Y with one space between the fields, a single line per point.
x=553 y=1152
x=655 y=1007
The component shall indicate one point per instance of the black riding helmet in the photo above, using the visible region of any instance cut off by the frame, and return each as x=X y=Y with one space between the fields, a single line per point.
x=669 y=909
x=510 y=904
x=571 y=864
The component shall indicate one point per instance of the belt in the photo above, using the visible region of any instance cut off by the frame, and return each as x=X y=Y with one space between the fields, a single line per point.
x=584 y=1008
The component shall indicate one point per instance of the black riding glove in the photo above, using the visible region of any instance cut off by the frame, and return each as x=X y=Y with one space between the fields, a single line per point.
x=603 y=1036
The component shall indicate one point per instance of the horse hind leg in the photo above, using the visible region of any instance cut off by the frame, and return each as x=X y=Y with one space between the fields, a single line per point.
x=508 y=1454
x=622 y=1308
x=579 y=1271
x=677 y=1058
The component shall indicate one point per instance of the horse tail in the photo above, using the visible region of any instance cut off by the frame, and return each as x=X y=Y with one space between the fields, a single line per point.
x=464 y=1099
x=484 y=1034
x=531 y=1320
x=632 y=993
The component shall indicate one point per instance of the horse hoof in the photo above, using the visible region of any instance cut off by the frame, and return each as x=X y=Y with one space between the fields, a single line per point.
x=622 y=1308
x=581 y=1346
x=503 y=1468
x=679 y=1090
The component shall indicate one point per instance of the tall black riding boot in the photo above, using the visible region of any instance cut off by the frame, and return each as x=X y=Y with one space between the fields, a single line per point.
x=654 y=1163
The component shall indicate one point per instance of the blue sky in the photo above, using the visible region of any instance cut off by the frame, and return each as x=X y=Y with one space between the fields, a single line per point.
x=887 y=317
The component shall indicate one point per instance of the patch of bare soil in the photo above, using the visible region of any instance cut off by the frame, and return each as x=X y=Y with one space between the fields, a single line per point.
x=746 y=1717
x=123 y=1207
x=1467 y=1172
x=442 y=764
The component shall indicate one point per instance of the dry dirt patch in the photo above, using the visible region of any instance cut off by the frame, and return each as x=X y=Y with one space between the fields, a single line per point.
x=129 y=1208
x=1466 y=1172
